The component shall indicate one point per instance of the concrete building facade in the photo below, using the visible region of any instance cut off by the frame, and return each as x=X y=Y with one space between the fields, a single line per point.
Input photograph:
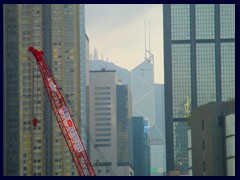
x=109 y=124
x=213 y=139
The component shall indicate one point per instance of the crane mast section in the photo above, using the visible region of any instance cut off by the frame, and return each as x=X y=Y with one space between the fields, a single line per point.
x=64 y=118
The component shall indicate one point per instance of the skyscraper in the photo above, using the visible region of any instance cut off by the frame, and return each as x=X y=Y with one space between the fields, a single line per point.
x=141 y=155
x=55 y=29
x=157 y=134
x=124 y=138
x=108 y=124
x=144 y=104
x=11 y=90
x=142 y=86
x=199 y=64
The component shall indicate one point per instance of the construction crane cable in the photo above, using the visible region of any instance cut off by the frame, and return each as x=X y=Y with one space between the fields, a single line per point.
x=82 y=124
x=90 y=137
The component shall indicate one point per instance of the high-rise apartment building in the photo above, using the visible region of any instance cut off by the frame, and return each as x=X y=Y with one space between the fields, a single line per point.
x=199 y=67
x=59 y=31
x=108 y=123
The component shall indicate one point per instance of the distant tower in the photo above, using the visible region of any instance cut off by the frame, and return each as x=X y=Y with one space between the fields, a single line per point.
x=142 y=86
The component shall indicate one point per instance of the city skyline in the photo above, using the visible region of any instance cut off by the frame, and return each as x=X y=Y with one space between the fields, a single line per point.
x=86 y=94
x=117 y=32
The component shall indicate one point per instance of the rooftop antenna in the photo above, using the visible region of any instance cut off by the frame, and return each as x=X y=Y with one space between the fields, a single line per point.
x=149 y=39
x=145 y=36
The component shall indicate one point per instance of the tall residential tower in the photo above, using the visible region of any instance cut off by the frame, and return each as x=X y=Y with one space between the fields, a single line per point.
x=59 y=31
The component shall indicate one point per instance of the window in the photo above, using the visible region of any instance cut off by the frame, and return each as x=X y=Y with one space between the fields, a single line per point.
x=103 y=145
x=103 y=140
x=103 y=124
x=102 y=98
x=102 y=129
x=202 y=124
x=103 y=119
x=102 y=93
x=103 y=134
x=102 y=109
x=102 y=88
x=102 y=114
x=102 y=103
x=203 y=145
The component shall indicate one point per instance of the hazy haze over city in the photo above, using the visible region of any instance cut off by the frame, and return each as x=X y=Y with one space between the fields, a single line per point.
x=117 y=32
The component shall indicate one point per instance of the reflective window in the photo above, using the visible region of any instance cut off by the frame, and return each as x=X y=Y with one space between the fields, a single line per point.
x=205 y=21
x=206 y=78
x=180 y=140
x=180 y=22
x=228 y=71
x=181 y=77
x=227 y=20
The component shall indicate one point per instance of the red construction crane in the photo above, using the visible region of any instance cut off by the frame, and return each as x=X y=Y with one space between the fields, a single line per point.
x=64 y=119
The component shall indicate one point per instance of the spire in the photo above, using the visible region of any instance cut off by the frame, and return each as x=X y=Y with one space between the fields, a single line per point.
x=149 y=38
x=148 y=54
x=145 y=37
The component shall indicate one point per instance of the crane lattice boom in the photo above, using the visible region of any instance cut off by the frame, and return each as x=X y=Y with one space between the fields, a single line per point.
x=64 y=119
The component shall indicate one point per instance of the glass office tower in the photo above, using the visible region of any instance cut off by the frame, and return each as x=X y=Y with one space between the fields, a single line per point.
x=199 y=64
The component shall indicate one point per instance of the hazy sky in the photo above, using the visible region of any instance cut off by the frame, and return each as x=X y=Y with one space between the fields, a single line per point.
x=117 y=32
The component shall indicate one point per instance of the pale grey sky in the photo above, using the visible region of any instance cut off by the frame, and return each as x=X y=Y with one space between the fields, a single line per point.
x=117 y=32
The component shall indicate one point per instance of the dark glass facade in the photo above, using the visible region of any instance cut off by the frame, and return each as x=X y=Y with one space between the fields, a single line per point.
x=199 y=63
x=141 y=155
x=124 y=142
